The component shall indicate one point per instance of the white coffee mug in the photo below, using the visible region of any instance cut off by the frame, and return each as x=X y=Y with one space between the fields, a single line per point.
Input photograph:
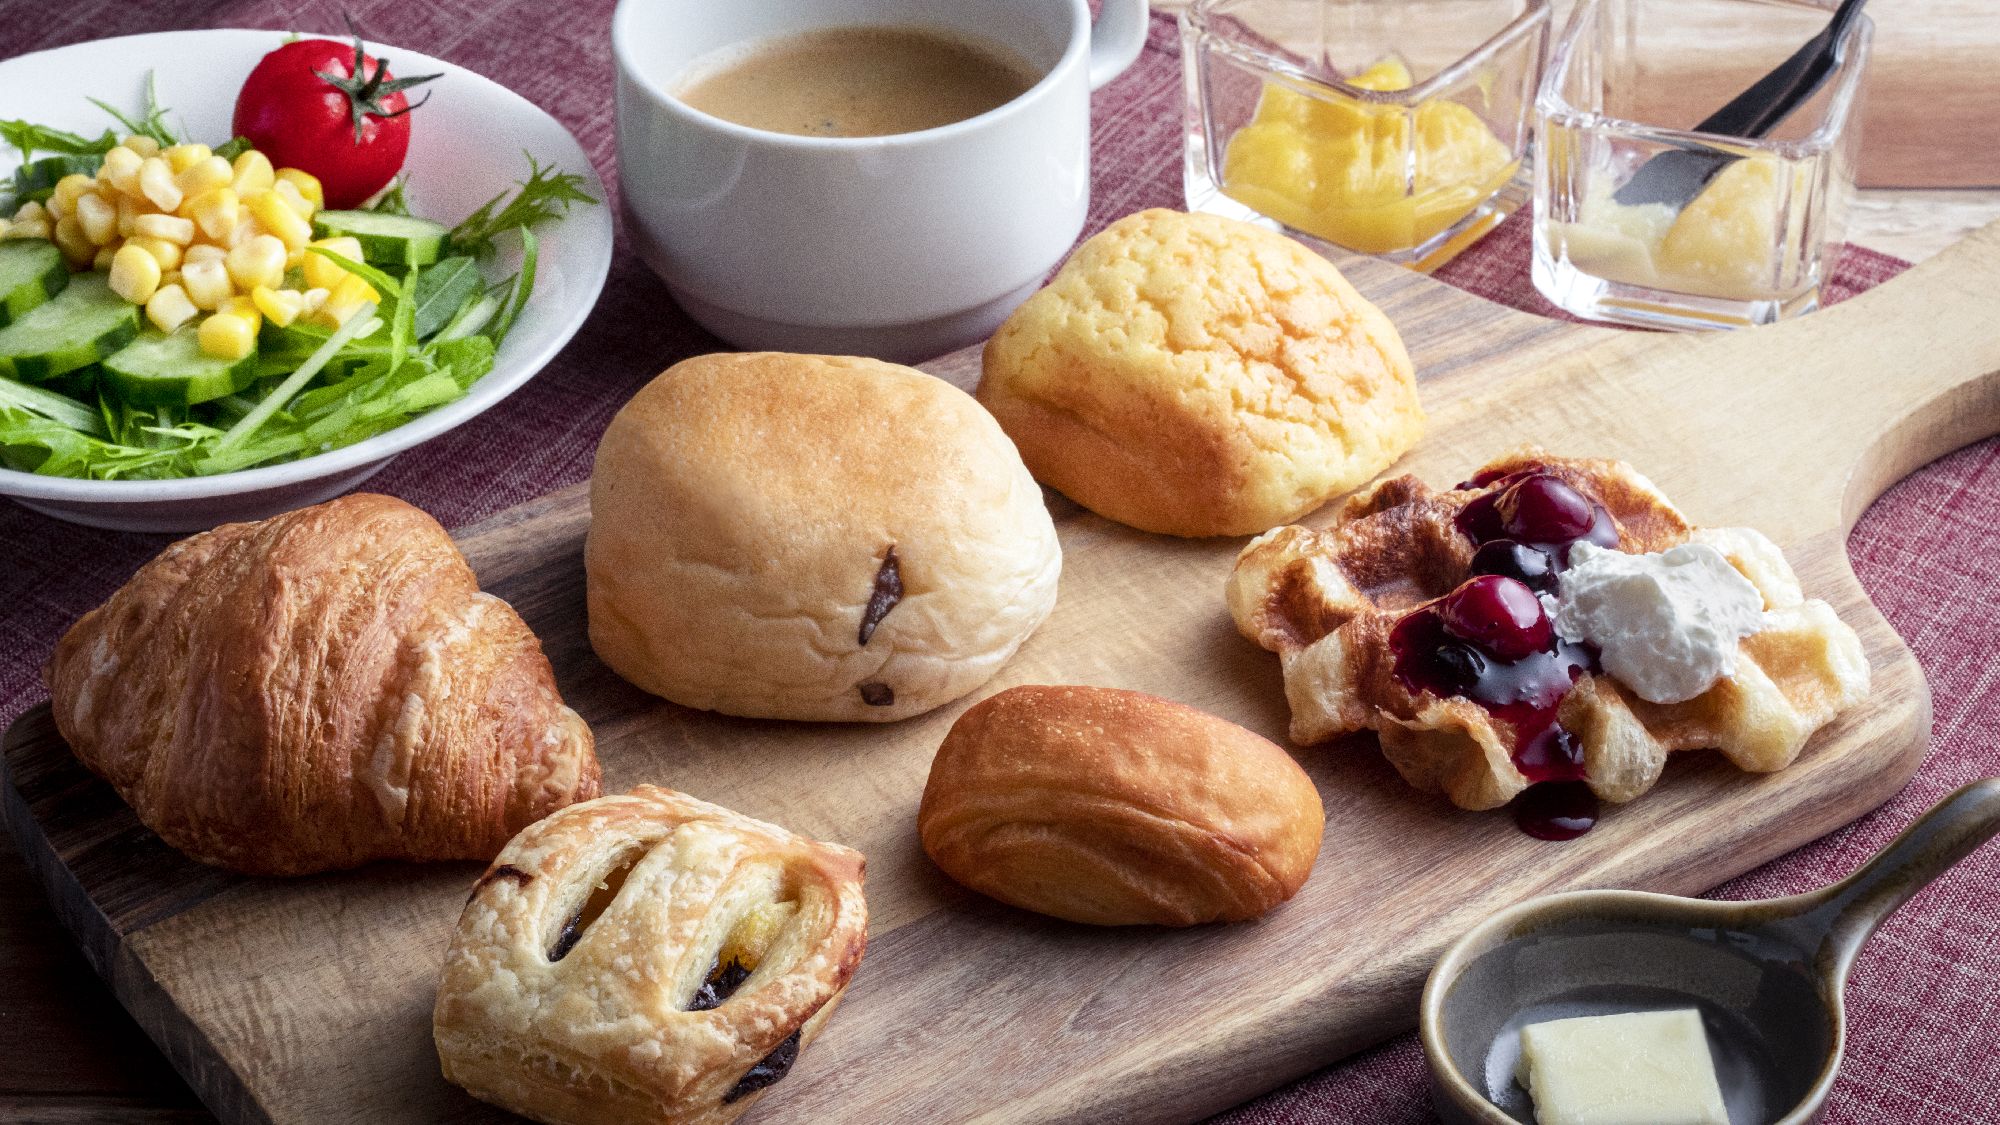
x=904 y=246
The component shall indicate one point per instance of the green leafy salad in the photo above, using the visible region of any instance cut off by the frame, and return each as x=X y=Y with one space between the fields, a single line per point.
x=170 y=310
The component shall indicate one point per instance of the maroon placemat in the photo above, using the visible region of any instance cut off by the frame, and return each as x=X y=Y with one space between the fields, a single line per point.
x=1925 y=998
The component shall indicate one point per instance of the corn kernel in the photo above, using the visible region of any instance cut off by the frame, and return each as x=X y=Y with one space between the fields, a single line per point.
x=102 y=262
x=252 y=173
x=170 y=277
x=289 y=192
x=205 y=252
x=143 y=145
x=346 y=299
x=278 y=218
x=99 y=217
x=168 y=254
x=156 y=183
x=63 y=199
x=29 y=228
x=281 y=306
x=307 y=186
x=246 y=229
x=182 y=157
x=215 y=212
x=121 y=169
x=228 y=336
x=76 y=246
x=314 y=299
x=324 y=272
x=244 y=306
x=260 y=261
x=135 y=276
x=207 y=284
x=128 y=213
x=5 y=226
x=168 y=228
x=169 y=308
x=205 y=175
x=31 y=211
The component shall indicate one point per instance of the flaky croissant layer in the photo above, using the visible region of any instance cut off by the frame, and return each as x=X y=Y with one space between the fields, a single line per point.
x=318 y=690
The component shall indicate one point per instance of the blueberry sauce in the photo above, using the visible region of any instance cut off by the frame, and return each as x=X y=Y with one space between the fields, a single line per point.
x=1556 y=810
x=1490 y=641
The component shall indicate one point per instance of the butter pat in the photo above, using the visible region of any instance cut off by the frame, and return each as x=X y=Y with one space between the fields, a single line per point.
x=1638 y=1068
x=1666 y=625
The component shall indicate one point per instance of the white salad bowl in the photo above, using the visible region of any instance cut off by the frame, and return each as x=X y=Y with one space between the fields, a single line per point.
x=466 y=146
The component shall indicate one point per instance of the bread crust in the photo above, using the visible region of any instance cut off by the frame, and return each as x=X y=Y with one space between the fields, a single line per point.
x=749 y=511
x=318 y=690
x=1118 y=808
x=584 y=1019
x=1192 y=375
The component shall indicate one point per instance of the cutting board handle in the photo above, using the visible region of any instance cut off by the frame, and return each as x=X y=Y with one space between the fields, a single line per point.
x=1915 y=364
x=1804 y=423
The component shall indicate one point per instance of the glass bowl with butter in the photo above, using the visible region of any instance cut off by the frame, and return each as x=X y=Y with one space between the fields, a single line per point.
x=1391 y=129
x=1751 y=234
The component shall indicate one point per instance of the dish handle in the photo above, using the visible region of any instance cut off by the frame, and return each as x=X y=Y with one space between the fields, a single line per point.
x=1116 y=40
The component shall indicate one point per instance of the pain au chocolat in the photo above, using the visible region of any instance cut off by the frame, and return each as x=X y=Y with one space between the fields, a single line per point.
x=1118 y=808
x=647 y=958
x=318 y=690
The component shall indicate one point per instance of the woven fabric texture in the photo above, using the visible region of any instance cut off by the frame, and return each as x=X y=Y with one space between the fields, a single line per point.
x=1924 y=1003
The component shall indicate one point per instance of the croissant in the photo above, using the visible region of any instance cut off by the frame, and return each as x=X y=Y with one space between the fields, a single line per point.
x=318 y=690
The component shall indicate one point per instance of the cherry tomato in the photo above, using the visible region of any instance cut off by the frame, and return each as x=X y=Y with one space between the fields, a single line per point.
x=326 y=108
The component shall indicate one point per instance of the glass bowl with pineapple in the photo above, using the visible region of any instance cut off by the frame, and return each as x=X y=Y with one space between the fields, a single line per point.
x=1395 y=130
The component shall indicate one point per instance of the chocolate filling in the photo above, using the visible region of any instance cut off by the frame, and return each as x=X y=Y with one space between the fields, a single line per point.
x=721 y=984
x=769 y=1069
x=877 y=694
x=888 y=591
x=504 y=871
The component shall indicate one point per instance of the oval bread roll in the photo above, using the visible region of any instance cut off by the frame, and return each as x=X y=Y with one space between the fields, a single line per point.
x=1118 y=808
x=1194 y=375
x=812 y=537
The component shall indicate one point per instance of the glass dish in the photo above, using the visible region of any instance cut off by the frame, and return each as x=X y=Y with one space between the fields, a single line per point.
x=1388 y=128
x=1756 y=245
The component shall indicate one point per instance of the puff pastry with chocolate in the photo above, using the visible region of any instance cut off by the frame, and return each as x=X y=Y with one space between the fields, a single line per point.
x=646 y=958
x=318 y=690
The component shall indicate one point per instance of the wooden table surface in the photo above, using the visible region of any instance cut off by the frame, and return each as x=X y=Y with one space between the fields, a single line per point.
x=70 y=1054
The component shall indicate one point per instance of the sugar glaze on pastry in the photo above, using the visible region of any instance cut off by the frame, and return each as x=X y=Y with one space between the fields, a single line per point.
x=646 y=958
x=318 y=690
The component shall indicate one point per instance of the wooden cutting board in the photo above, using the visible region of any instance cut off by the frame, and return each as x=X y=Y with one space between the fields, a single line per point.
x=309 y=1000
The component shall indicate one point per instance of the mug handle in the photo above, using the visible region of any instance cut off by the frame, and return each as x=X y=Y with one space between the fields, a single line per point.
x=1116 y=40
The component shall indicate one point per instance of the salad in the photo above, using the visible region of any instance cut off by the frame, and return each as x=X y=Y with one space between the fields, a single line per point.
x=168 y=309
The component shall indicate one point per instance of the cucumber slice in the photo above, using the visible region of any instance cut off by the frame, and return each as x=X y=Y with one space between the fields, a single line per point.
x=395 y=240
x=31 y=271
x=82 y=324
x=162 y=369
x=80 y=384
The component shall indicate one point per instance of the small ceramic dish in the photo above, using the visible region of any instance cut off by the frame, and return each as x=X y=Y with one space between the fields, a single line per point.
x=466 y=146
x=1767 y=976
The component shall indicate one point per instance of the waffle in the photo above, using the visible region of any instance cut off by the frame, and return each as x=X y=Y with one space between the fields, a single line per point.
x=1326 y=600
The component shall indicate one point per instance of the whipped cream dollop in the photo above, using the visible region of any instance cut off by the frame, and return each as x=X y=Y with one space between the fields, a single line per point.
x=1665 y=624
